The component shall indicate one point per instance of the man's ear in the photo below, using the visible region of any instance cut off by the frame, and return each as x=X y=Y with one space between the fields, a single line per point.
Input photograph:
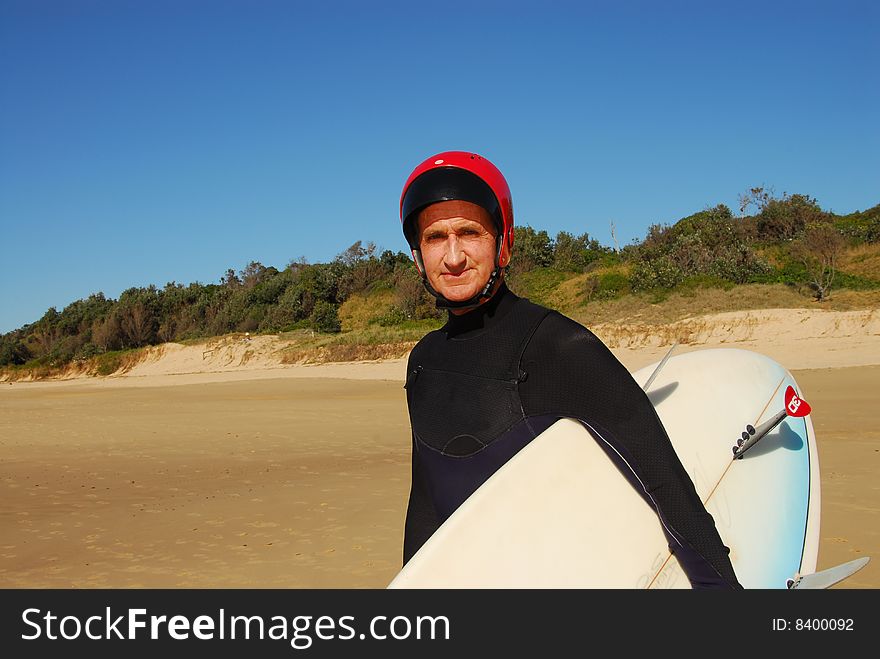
x=417 y=257
x=504 y=255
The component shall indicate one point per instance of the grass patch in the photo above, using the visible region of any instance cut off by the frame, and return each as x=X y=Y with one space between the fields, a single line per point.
x=370 y=343
x=346 y=353
x=116 y=361
x=30 y=371
x=692 y=285
x=540 y=285
x=363 y=309
x=650 y=307
x=862 y=261
x=107 y=363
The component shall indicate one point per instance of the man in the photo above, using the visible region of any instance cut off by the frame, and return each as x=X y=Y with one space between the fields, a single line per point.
x=502 y=370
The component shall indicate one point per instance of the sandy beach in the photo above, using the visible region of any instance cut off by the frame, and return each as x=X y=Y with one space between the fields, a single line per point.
x=194 y=474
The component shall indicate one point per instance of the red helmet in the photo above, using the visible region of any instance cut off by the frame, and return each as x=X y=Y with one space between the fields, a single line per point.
x=456 y=175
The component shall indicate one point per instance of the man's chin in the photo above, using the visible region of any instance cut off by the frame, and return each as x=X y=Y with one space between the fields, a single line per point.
x=458 y=293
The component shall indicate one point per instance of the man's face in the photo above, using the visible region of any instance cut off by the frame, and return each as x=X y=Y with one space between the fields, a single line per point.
x=457 y=241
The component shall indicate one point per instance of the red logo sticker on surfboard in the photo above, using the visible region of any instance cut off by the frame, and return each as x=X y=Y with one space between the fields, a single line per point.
x=794 y=404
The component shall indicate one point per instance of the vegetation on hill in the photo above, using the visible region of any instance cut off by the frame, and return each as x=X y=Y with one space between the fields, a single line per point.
x=369 y=298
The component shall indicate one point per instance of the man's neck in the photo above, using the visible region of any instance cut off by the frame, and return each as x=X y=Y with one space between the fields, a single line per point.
x=480 y=318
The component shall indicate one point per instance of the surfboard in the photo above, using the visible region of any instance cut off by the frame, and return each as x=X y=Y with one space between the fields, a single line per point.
x=559 y=514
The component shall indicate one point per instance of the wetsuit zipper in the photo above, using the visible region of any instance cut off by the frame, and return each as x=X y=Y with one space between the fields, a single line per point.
x=413 y=375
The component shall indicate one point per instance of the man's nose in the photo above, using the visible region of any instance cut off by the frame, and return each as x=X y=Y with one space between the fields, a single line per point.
x=455 y=258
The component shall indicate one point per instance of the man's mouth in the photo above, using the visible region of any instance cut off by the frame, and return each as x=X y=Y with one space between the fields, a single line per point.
x=455 y=274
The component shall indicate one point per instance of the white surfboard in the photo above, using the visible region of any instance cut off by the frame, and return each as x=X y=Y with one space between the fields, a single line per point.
x=559 y=514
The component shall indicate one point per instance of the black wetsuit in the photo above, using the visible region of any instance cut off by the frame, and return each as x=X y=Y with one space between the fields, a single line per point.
x=489 y=381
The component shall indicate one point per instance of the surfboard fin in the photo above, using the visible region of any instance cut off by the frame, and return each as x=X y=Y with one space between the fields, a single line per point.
x=795 y=406
x=829 y=577
x=752 y=435
x=659 y=367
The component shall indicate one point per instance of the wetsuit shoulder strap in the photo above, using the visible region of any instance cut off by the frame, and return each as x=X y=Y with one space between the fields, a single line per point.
x=529 y=317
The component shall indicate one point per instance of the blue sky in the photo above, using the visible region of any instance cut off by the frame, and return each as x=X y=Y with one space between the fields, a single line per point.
x=147 y=142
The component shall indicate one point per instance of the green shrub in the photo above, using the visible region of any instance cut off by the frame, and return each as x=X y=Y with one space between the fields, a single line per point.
x=325 y=318
x=395 y=316
x=660 y=272
x=710 y=243
x=574 y=253
x=861 y=226
x=531 y=249
x=109 y=362
x=537 y=284
x=690 y=285
x=607 y=286
x=787 y=218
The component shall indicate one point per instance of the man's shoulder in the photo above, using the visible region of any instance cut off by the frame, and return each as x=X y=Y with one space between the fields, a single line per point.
x=563 y=337
x=554 y=322
x=524 y=310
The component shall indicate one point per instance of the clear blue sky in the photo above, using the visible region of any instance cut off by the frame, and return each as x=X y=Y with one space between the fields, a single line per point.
x=145 y=142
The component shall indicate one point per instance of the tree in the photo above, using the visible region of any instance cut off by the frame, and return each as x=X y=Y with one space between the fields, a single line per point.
x=709 y=243
x=532 y=249
x=138 y=323
x=107 y=332
x=758 y=197
x=819 y=251
x=12 y=350
x=412 y=299
x=356 y=253
x=574 y=253
x=390 y=259
x=297 y=264
x=230 y=279
x=359 y=268
x=138 y=310
x=253 y=273
x=46 y=332
x=325 y=317
x=787 y=218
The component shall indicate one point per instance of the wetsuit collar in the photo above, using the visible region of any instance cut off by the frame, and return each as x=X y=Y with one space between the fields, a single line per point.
x=483 y=316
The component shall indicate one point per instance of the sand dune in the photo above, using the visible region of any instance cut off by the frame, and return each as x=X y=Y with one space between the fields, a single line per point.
x=797 y=338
